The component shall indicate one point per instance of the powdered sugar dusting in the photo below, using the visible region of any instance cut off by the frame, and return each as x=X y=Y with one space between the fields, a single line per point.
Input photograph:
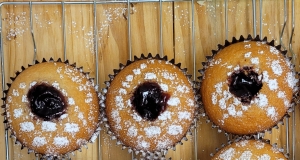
x=71 y=127
x=39 y=141
x=276 y=68
x=264 y=157
x=246 y=155
x=48 y=126
x=18 y=112
x=164 y=116
x=132 y=131
x=173 y=101
x=26 y=126
x=61 y=141
x=150 y=76
x=152 y=131
x=174 y=130
x=184 y=115
x=273 y=85
x=228 y=154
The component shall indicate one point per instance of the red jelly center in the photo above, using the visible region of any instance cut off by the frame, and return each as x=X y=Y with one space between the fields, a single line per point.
x=245 y=84
x=149 y=100
x=46 y=102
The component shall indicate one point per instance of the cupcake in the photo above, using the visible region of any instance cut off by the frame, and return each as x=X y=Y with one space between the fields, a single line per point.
x=149 y=105
x=52 y=108
x=250 y=149
x=247 y=86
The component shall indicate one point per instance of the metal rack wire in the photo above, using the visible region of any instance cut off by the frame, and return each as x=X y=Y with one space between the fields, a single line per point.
x=161 y=45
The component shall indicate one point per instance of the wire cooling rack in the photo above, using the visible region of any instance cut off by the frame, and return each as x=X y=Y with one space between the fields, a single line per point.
x=257 y=22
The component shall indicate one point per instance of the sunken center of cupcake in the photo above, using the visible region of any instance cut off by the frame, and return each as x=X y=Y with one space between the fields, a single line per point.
x=245 y=84
x=149 y=100
x=46 y=101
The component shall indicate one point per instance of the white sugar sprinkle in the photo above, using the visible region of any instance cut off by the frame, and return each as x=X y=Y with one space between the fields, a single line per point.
x=271 y=112
x=164 y=87
x=22 y=85
x=71 y=127
x=132 y=131
x=129 y=78
x=18 y=112
x=61 y=141
x=26 y=126
x=39 y=141
x=143 y=66
x=273 y=85
x=119 y=101
x=24 y=98
x=218 y=87
x=125 y=84
x=55 y=85
x=48 y=126
x=173 y=101
x=184 y=115
x=150 y=76
x=273 y=50
x=262 y=100
x=231 y=110
x=291 y=80
x=281 y=94
x=264 y=157
x=122 y=91
x=174 y=129
x=144 y=144
x=255 y=60
x=227 y=155
x=248 y=54
x=15 y=92
x=32 y=84
x=276 y=68
x=246 y=155
x=137 y=71
x=71 y=101
x=164 y=116
x=152 y=131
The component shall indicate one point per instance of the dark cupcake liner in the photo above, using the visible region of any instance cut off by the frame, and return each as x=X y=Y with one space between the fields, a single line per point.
x=295 y=99
x=49 y=156
x=144 y=154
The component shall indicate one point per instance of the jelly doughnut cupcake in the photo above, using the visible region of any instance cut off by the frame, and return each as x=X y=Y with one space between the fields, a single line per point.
x=149 y=105
x=52 y=108
x=247 y=86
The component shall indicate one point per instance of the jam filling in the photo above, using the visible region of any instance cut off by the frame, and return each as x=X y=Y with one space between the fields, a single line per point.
x=149 y=100
x=245 y=84
x=46 y=102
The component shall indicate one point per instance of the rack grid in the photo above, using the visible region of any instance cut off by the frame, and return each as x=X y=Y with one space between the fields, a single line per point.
x=257 y=22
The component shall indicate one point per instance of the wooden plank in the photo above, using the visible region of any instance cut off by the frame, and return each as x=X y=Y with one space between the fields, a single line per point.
x=112 y=38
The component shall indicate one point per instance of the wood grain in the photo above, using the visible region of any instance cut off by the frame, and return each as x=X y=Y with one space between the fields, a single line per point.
x=186 y=37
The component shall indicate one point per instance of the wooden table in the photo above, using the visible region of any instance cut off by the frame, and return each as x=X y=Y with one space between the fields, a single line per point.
x=167 y=29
